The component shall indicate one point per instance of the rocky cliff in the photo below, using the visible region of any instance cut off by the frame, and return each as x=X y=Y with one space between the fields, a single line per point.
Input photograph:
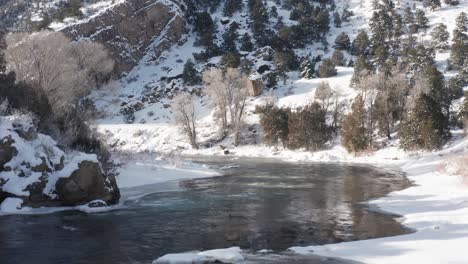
x=132 y=29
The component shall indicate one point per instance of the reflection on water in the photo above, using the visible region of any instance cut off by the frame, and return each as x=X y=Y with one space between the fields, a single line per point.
x=258 y=204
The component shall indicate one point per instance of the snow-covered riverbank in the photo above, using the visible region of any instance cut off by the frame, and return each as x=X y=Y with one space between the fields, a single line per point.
x=436 y=206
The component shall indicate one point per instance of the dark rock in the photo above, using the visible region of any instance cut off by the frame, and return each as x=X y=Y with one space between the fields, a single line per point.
x=87 y=184
x=226 y=152
x=7 y=151
x=43 y=167
x=28 y=135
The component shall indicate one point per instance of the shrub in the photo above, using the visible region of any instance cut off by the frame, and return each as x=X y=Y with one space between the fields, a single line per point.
x=327 y=69
x=274 y=122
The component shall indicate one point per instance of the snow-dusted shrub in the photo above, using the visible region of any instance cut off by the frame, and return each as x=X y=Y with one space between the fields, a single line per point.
x=456 y=165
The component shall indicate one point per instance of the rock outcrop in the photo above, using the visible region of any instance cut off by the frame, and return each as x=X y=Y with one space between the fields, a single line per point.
x=35 y=170
x=132 y=29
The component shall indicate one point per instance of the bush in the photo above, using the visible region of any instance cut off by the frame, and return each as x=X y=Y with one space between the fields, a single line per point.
x=327 y=69
x=308 y=128
x=274 y=122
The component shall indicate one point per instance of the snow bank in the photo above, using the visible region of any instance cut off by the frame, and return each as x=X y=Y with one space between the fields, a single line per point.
x=436 y=208
x=152 y=171
x=227 y=255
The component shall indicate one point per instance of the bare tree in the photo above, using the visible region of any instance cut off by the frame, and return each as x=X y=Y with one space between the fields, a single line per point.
x=185 y=116
x=228 y=93
x=325 y=94
x=93 y=58
x=49 y=61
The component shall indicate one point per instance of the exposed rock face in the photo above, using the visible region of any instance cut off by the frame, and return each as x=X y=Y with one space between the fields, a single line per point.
x=132 y=28
x=7 y=151
x=255 y=85
x=84 y=185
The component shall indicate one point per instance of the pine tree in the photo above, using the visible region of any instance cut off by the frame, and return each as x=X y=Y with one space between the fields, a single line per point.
x=190 y=75
x=361 y=44
x=274 y=122
x=337 y=19
x=353 y=129
x=307 y=68
x=426 y=127
x=327 y=69
x=308 y=128
x=459 y=50
x=246 y=44
x=232 y=6
x=421 y=20
x=432 y=4
x=342 y=42
x=362 y=68
x=440 y=37
x=230 y=60
x=229 y=38
x=462 y=22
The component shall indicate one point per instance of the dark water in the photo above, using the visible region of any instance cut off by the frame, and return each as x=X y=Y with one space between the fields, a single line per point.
x=258 y=205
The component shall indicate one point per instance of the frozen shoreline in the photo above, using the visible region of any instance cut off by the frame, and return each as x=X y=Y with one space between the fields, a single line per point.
x=435 y=206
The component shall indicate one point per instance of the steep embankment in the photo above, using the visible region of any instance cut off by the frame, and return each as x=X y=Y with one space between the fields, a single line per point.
x=131 y=29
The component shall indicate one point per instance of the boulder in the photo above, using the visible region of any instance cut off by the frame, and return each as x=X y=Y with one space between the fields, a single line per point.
x=7 y=151
x=255 y=85
x=86 y=184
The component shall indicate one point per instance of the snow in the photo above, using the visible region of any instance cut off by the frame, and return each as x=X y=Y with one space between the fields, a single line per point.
x=11 y=205
x=226 y=255
x=152 y=171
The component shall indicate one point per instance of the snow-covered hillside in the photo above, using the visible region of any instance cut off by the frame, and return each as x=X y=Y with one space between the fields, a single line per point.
x=148 y=89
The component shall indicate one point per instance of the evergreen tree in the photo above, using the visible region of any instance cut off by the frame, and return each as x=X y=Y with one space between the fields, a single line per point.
x=362 y=68
x=308 y=128
x=327 y=69
x=421 y=20
x=426 y=127
x=205 y=27
x=246 y=66
x=230 y=60
x=229 y=38
x=354 y=136
x=452 y=2
x=307 y=68
x=347 y=14
x=232 y=6
x=342 y=42
x=462 y=22
x=190 y=75
x=432 y=4
x=459 y=50
x=440 y=37
x=337 y=19
x=246 y=44
x=274 y=122
x=361 y=44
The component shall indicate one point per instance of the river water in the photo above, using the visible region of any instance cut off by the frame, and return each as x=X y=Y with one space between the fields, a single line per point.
x=257 y=204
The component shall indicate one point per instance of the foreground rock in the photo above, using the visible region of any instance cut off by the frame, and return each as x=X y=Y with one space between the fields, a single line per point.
x=34 y=170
